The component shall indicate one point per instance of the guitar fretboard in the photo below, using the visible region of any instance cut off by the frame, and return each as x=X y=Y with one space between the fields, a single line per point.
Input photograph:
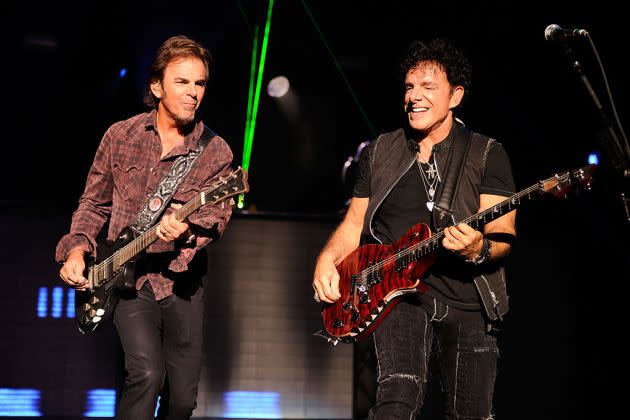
x=221 y=191
x=119 y=258
x=476 y=221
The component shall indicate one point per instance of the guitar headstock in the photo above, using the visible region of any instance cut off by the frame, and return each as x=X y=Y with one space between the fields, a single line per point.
x=561 y=183
x=229 y=186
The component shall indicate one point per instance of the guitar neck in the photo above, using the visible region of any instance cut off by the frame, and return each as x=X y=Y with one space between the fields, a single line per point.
x=478 y=220
x=233 y=184
x=557 y=185
x=142 y=242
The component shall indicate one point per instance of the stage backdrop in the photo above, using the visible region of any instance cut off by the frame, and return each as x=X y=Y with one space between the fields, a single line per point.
x=262 y=360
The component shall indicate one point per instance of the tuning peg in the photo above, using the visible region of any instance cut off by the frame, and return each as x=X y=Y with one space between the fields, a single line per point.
x=231 y=202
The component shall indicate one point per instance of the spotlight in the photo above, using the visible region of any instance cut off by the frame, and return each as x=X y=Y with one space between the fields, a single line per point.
x=122 y=73
x=278 y=86
x=593 y=159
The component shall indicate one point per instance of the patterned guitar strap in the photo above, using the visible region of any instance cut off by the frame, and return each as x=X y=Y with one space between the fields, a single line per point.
x=159 y=199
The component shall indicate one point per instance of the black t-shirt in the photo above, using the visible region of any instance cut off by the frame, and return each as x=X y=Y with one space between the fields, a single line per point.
x=405 y=206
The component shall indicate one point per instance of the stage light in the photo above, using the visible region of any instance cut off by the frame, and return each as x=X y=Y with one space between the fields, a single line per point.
x=70 y=313
x=20 y=402
x=278 y=87
x=100 y=403
x=251 y=404
x=57 y=302
x=122 y=73
x=593 y=159
x=42 y=302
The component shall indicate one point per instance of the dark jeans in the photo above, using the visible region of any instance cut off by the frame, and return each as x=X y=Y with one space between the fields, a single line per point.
x=162 y=342
x=466 y=356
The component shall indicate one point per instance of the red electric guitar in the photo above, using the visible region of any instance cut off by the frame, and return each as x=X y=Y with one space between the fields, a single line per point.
x=373 y=277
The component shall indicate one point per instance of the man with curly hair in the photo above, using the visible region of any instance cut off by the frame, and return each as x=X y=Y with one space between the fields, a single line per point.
x=398 y=184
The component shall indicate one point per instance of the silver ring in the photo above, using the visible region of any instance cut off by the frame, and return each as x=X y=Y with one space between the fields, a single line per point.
x=316 y=297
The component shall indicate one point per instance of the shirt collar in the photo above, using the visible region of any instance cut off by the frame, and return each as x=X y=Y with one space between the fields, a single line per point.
x=190 y=140
x=413 y=144
x=448 y=140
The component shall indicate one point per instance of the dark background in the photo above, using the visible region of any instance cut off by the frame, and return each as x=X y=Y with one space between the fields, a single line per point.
x=61 y=90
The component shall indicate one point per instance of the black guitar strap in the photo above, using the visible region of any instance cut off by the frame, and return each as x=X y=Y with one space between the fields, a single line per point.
x=443 y=213
x=159 y=199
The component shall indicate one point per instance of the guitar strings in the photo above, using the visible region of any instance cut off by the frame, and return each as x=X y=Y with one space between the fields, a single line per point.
x=439 y=235
x=145 y=238
x=149 y=236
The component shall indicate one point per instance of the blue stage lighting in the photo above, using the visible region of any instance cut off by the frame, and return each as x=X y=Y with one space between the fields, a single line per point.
x=19 y=402
x=70 y=303
x=42 y=302
x=251 y=404
x=57 y=302
x=100 y=403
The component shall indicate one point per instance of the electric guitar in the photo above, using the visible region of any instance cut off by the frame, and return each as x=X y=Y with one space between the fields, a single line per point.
x=374 y=277
x=113 y=272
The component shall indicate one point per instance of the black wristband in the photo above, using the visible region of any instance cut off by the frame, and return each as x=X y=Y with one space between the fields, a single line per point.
x=484 y=254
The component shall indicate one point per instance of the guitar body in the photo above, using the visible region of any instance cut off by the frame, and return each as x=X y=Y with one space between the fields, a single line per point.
x=94 y=306
x=369 y=289
x=374 y=277
x=113 y=272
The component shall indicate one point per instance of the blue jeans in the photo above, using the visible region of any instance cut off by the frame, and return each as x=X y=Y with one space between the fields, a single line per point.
x=466 y=355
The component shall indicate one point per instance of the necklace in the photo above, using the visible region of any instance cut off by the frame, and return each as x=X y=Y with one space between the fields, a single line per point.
x=430 y=179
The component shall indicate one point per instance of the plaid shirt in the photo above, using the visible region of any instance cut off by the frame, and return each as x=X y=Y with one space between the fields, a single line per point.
x=126 y=170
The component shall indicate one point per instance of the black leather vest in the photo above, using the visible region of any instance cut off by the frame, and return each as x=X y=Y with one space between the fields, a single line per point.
x=392 y=154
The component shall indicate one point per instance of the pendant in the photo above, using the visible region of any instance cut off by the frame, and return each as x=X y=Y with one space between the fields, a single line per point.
x=430 y=205
x=431 y=193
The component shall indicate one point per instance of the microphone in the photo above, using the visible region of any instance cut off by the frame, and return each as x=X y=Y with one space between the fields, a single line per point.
x=556 y=33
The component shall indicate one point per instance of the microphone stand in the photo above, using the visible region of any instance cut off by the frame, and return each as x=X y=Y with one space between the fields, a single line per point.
x=618 y=156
